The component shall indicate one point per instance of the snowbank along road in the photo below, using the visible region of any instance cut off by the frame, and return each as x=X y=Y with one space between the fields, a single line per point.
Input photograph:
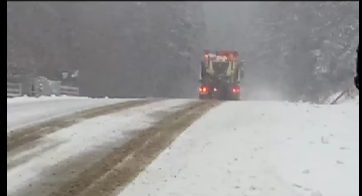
x=137 y=147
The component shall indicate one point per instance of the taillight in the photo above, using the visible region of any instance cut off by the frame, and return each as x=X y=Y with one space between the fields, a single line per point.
x=204 y=89
x=235 y=89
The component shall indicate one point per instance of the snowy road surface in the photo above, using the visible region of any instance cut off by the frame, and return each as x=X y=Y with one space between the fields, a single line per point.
x=45 y=108
x=183 y=148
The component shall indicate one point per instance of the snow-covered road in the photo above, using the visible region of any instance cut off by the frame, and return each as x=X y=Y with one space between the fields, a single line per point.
x=260 y=148
x=46 y=108
x=232 y=149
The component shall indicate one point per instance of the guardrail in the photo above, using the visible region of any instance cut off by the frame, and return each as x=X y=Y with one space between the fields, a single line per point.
x=14 y=89
x=69 y=90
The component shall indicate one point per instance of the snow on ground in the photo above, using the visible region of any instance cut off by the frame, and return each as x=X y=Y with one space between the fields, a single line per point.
x=260 y=149
x=26 y=99
x=86 y=136
x=24 y=111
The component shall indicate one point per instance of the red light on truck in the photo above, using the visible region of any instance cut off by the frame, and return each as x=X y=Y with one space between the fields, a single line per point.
x=203 y=89
x=235 y=89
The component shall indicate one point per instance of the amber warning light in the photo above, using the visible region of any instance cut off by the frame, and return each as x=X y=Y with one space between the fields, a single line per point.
x=220 y=57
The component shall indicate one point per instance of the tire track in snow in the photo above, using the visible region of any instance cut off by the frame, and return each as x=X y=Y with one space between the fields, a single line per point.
x=122 y=165
x=11 y=163
x=87 y=175
x=32 y=133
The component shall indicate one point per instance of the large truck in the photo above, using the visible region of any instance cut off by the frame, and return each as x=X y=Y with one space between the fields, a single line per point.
x=221 y=73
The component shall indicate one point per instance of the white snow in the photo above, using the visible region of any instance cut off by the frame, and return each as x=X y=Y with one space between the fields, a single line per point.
x=26 y=99
x=260 y=149
x=24 y=111
x=247 y=148
x=91 y=134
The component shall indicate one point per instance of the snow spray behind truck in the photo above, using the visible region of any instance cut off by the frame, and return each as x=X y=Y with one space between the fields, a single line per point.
x=220 y=76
